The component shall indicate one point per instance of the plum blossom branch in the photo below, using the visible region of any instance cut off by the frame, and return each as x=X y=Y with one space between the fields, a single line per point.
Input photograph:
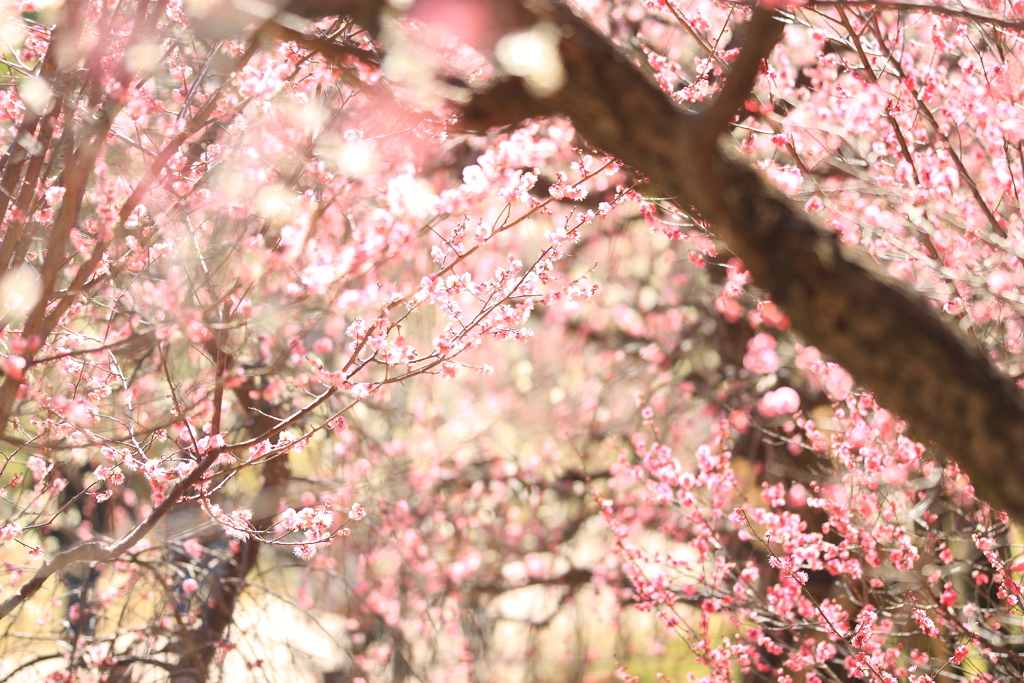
x=788 y=568
x=928 y=8
x=763 y=32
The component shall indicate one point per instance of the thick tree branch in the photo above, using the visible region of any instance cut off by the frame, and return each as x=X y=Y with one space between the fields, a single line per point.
x=365 y=13
x=763 y=32
x=888 y=336
x=502 y=104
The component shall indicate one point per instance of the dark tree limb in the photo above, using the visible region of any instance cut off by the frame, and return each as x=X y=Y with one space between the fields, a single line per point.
x=888 y=336
x=763 y=32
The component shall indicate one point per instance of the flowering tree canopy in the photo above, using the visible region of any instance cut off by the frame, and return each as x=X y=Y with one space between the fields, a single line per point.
x=435 y=298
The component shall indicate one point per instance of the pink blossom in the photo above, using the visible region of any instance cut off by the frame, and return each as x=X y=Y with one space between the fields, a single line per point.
x=782 y=401
x=305 y=551
x=260 y=253
x=925 y=622
x=761 y=358
x=9 y=531
x=773 y=316
x=838 y=382
x=740 y=420
x=193 y=547
x=13 y=366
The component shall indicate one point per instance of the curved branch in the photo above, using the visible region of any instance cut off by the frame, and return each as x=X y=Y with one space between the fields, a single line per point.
x=925 y=8
x=763 y=32
x=888 y=336
x=94 y=551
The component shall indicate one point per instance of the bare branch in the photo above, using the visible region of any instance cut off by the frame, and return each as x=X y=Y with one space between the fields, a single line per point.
x=941 y=10
x=763 y=32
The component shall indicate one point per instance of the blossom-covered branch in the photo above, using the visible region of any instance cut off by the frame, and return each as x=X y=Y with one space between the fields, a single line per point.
x=888 y=337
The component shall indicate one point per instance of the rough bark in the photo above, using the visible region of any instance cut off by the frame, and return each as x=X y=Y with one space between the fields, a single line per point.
x=889 y=337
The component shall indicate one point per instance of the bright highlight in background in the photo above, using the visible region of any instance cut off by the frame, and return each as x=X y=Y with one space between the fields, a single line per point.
x=533 y=55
